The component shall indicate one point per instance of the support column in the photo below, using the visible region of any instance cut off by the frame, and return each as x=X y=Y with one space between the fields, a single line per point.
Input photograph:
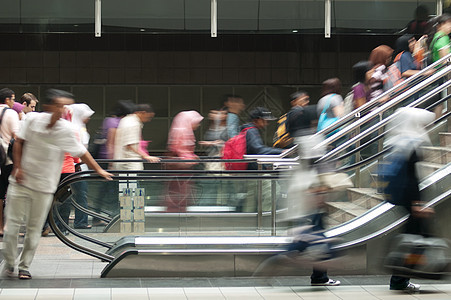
x=98 y=18
x=214 y=18
x=327 y=18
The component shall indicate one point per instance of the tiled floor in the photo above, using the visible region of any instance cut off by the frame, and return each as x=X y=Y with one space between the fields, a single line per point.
x=364 y=292
x=61 y=273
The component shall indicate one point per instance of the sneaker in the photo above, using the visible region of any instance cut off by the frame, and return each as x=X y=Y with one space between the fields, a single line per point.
x=411 y=287
x=331 y=282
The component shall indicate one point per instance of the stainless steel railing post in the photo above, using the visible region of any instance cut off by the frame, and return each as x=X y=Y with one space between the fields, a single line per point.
x=273 y=207
x=259 y=201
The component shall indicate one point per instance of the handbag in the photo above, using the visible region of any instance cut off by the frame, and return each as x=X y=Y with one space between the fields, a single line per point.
x=324 y=121
x=418 y=256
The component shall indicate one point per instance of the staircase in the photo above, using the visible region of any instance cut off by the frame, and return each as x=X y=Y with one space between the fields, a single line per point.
x=360 y=200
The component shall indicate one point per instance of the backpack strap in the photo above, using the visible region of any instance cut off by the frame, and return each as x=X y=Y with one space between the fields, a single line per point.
x=1 y=116
x=327 y=104
x=434 y=40
x=398 y=57
x=244 y=130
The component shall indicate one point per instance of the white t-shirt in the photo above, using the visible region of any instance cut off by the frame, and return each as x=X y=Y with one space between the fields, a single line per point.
x=9 y=125
x=43 y=151
x=128 y=133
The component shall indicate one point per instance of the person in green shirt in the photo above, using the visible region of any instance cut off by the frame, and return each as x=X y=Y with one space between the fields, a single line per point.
x=440 y=47
x=440 y=44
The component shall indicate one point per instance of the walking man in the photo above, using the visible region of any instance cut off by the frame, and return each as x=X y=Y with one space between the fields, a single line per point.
x=38 y=156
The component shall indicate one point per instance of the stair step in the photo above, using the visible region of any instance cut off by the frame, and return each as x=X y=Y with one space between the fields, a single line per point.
x=344 y=211
x=438 y=155
x=365 y=197
x=329 y=222
x=427 y=168
x=445 y=139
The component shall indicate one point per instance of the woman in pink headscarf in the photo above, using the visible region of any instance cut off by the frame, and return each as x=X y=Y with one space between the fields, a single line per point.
x=181 y=144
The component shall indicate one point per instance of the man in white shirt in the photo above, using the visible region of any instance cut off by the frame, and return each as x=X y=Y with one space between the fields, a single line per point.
x=8 y=129
x=38 y=157
x=128 y=138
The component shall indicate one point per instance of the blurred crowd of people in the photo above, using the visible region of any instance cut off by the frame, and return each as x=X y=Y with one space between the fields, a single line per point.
x=63 y=134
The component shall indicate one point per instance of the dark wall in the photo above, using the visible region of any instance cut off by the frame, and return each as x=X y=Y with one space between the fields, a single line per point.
x=179 y=72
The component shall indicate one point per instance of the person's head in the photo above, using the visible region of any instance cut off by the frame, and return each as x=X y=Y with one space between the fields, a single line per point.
x=29 y=101
x=55 y=100
x=144 y=112
x=217 y=116
x=405 y=43
x=299 y=98
x=234 y=103
x=123 y=108
x=381 y=55
x=7 y=96
x=331 y=86
x=444 y=23
x=421 y=13
x=260 y=117
x=360 y=69
x=80 y=114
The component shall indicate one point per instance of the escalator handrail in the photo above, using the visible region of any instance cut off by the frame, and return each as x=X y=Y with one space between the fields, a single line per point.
x=386 y=106
x=381 y=153
x=76 y=246
x=405 y=84
x=377 y=126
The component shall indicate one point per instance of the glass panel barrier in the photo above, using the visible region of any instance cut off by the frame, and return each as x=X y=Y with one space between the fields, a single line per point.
x=171 y=203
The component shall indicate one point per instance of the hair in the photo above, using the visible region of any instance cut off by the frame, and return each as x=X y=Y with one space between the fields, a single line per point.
x=5 y=93
x=297 y=94
x=380 y=55
x=402 y=43
x=27 y=98
x=53 y=94
x=123 y=108
x=421 y=12
x=360 y=69
x=331 y=86
x=231 y=98
x=144 y=107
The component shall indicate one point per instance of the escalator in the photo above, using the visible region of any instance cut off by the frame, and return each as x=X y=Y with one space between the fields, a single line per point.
x=231 y=219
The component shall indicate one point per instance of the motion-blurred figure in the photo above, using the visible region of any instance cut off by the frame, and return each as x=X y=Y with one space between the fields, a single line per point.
x=418 y=26
x=406 y=137
x=235 y=106
x=181 y=145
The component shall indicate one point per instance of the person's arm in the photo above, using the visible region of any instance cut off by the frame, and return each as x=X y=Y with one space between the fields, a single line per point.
x=255 y=144
x=92 y=164
x=17 y=155
x=111 y=135
x=409 y=73
x=135 y=148
x=233 y=124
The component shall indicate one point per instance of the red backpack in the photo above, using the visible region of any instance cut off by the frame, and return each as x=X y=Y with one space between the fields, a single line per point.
x=235 y=148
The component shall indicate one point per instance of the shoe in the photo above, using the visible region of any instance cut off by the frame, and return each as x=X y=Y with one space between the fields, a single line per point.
x=411 y=287
x=46 y=231
x=8 y=271
x=99 y=223
x=83 y=227
x=331 y=282
x=24 y=274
